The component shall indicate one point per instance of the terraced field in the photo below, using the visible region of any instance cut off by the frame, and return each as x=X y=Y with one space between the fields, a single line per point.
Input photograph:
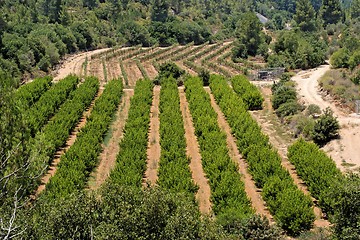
x=195 y=140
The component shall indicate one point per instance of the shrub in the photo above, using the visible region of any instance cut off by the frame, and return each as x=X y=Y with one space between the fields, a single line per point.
x=312 y=110
x=326 y=128
x=288 y=109
x=340 y=58
x=282 y=95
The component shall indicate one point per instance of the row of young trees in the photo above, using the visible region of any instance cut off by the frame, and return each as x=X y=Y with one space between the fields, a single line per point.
x=249 y=93
x=55 y=133
x=28 y=94
x=230 y=203
x=82 y=157
x=186 y=54
x=338 y=194
x=173 y=53
x=49 y=103
x=131 y=160
x=174 y=171
x=290 y=207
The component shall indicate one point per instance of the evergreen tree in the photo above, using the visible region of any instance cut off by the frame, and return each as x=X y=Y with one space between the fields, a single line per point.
x=331 y=11
x=355 y=9
x=305 y=15
x=159 y=11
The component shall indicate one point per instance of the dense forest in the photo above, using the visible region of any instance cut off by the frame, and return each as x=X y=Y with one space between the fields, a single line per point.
x=35 y=35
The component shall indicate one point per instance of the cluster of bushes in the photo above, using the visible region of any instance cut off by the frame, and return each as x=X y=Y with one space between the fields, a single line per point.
x=338 y=194
x=249 y=93
x=28 y=94
x=131 y=160
x=230 y=203
x=174 y=172
x=54 y=134
x=49 y=103
x=294 y=50
x=78 y=162
x=290 y=207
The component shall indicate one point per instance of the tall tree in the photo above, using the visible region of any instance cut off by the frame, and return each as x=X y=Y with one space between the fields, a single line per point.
x=331 y=11
x=305 y=15
x=159 y=11
x=355 y=9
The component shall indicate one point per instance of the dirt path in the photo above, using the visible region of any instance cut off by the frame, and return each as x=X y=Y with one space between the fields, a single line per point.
x=69 y=142
x=193 y=152
x=153 y=151
x=251 y=190
x=133 y=72
x=150 y=70
x=111 y=149
x=344 y=151
x=73 y=64
x=280 y=140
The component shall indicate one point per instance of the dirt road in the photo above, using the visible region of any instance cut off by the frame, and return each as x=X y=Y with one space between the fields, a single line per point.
x=344 y=151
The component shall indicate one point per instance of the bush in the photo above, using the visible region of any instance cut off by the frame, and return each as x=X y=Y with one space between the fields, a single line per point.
x=312 y=110
x=340 y=58
x=288 y=109
x=354 y=60
x=326 y=128
x=282 y=95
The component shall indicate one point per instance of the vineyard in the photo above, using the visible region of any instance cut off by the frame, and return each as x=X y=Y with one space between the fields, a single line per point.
x=199 y=142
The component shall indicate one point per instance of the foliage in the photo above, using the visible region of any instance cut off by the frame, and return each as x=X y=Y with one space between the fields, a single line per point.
x=340 y=58
x=288 y=108
x=120 y=213
x=49 y=103
x=170 y=69
x=82 y=157
x=312 y=110
x=54 y=134
x=295 y=49
x=326 y=128
x=354 y=60
x=289 y=206
x=347 y=215
x=305 y=15
x=308 y=158
x=228 y=196
x=248 y=92
x=282 y=95
x=131 y=160
x=331 y=11
x=248 y=36
x=28 y=94
x=174 y=172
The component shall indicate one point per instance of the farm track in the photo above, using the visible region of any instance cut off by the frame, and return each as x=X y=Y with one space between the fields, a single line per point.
x=107 y=158
x=251 y=190
x=69 y=142
x=281 y=145
x=193 y=152
x=154 y=149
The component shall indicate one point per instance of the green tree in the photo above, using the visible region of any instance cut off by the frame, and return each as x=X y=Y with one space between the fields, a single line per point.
x=331 y=12
x=355 y=9
x=248 y=35
x=159 y=10
x=340 y=58
x=305 y=15
x=326 y=128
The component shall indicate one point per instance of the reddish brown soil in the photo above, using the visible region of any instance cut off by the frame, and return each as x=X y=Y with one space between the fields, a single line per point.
x=133 y=72
x=251 y=190
x=193 y=152
x=281 y=145
x=70 y=141
x=150 y=69
x=97 y=70
x=111 y=149
x=154 y=150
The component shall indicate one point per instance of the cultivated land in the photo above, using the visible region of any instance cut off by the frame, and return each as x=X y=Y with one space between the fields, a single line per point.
x=131 y=64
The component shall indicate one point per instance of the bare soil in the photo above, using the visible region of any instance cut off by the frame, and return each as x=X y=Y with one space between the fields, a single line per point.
x=154 y=150
x=74 y=64
x=70 y=141
x=96 y=69
x=111 y=149
x=193 y=152
x=133 y=72
x=251 y=190
x=344 y=151
x=281 y=140
x=150 y=69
